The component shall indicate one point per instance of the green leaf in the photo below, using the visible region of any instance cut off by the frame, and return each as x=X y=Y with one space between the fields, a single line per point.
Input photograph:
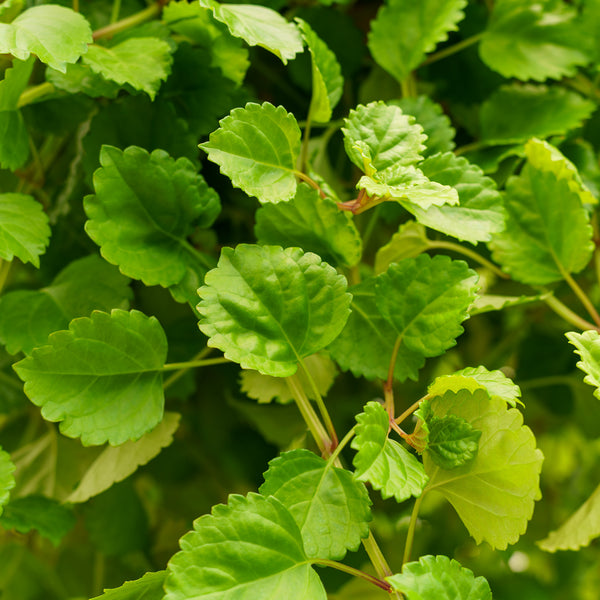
x=493 y=495
x=405 y=31
x=148 y=587
x=268 y=307
x=517 y=112
x=532 y=39
x=452 y=441
x=480 y=212
x=408 y=242
x=24 y=230
x=145 y=207
x=489 y=302
x=587 y=345
x=257 y=147
x=47 y=516
x=102 y=378
x=114 y=464
x=259 y=26
x=9 y=9
x=55 y=34
x=384 y=463
x=27 y=317
x=439 y=578
x=7 y=480
x=81 y=78
x=578 y=530
x=313 y=223
x=249 y=549
x=265 y=388
x=331 y=508
x=391 y=138
x=547 y=230
x=143 y=63
x=327 y=81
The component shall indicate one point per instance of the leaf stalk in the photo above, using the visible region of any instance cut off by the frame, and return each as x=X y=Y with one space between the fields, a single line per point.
x=567 y=314
x=450 y=50
x=410 y=535
x=324 y=562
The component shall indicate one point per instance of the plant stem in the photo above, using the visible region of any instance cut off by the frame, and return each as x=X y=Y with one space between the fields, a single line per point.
x=583 y=297
x=469 y=148
x=116 y=11
x=34 y=93
x=313 y=184
x=173 y=378
x=375 y=555
x=568 y=315
x=4 y=270
x=366 y=236
x=450 y=50
x=384 y=585
x=596 y=238
x=411 y=409
x=409 y=86
x=147 y=14
x=191 y=364
x=547 y=382
x=388 y=386
x=469 y=253
x=334 y=456
x=410 y=535
x=305 y=141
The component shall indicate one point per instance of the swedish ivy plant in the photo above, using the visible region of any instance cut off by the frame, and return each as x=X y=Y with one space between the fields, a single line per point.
x=295 y=299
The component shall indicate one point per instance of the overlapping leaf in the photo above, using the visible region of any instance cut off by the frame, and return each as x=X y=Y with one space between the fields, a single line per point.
x=452 y=441
x=268 y=307
x=257 y=148
x=587 y=345
x=312 y=223
x=100 y=379
x=439 y=578
x=330 y=507
x=24 y=230
x=408 y=242
x=259 y=26
x=7 y=480
x=547 y=230
x=27 y=317
x=148 y=587
x=145 y=207
x=493 y=495
x=383 y=462
x=405 y=31
x=81 y=78
x=250 y=549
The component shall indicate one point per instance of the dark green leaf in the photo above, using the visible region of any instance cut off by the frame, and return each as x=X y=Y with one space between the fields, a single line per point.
x=452 y=441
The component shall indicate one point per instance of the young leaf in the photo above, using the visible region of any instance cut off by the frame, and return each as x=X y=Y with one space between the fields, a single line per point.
x=27 y=317
x=7 y=480
x=48 y=517
x=405 y=31
x=529 y=39
x=55 y=34
x=257 y=148
x=327 y=81
x=494 y=494
x=268 y=307
x=384 y=463
x=251 y=549
x=148 y=587
x=480 y=212
x=547 y=230
x=145 y=207
x=24 y=230
x=410 y=241
x=259 y=26
x=143 y=63
x=452 y=441
x=100 y=379
x=578 y=530
x=439 y=578
x=331 y=508
x=313 y=223
x=587 y=345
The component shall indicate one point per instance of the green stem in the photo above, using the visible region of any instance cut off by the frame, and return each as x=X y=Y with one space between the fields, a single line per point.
x=410 y=535
x=138 y=18
x=411 y=409
x=309 y=415
x=596 y=238
x=34 y=93
x=334 y=457
x=98 y=574
x=76 y=5
x=469 y=253
x=191 y=364
x=388 y=386
x=116 y=11
x=313 y=184
x=547 y=382
x=4 y=270
x=366 y=236
x=324 y=562
x=450 y=50
x=568 y=315
x=173 y=378
x=478 y=145
x=409 y=86
x=583 y=297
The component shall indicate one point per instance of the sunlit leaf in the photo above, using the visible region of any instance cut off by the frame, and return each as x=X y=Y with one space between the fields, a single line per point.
x=148 y=587
x=587 y=345
x=452 y=441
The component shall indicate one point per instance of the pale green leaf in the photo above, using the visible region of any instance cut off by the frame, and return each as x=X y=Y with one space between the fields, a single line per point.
x=404 y=31
x=48 y=517
x=265 y=388
x=410 y=241
x=547 y=230
x=55 y=34
x=493 y=495
x=313 y=223
x=7 y=480
x=439 y=578
x=268 y=307
x=259 y=26
x=533 y=39
x=384 y=463
x=480 y=212
x=249 y=549
x=148 y=587
x=145 y=207
x=27 y=317
x=114 y=464
x=102 y=378
x=517 y=112
x=578 y=530
x=327 y=81
x=24 y=230
x=331 y=508
x=452 y=441
x=489 y=302
x=9 y=9
x=587 y=345
x=257 y=148
x=143 y=63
